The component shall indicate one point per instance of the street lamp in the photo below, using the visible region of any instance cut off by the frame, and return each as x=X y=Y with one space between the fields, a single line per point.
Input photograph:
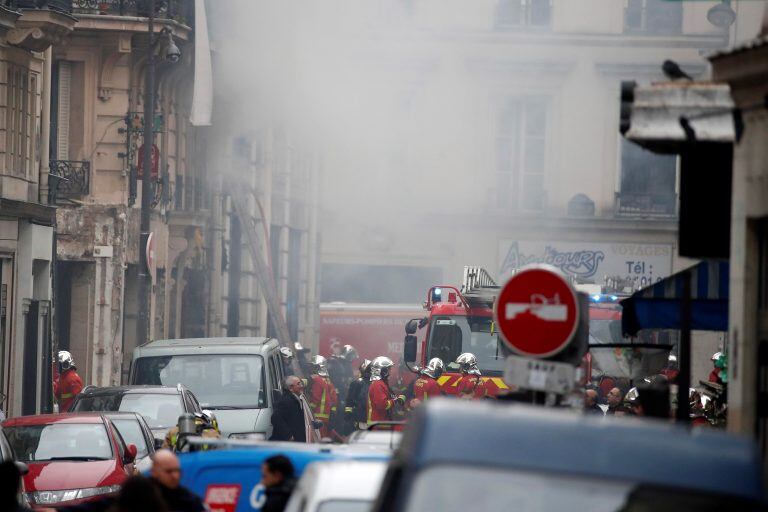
x=170 y=53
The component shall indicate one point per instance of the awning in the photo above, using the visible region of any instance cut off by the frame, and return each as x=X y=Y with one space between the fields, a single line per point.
x=658 y=306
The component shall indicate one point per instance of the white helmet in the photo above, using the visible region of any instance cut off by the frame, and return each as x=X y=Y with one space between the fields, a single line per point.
x=434 y=368
x=468 y=363
x=380 y=367
x=65 y=360
x=320 y=365
x=286 y=353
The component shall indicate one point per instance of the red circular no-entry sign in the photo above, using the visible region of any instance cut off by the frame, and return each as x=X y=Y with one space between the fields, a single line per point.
x=537 y=312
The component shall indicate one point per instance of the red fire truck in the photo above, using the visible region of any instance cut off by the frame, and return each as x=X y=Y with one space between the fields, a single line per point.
x=461 y=320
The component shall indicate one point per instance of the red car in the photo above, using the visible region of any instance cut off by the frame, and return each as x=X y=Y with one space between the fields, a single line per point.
x=72 y=458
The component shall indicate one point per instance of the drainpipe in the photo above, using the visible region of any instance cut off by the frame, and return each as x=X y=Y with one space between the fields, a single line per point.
x=45 y=130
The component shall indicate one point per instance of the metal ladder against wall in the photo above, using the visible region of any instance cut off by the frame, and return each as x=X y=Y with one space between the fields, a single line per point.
x=263 y=272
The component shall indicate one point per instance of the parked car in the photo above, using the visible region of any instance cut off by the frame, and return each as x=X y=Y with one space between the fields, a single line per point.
x=238 y=379
x=338 y=486
x=229 y=479
x=72 y=458
x=161 y=406
x=493 y=456
x=389 y=439
x=133 y=428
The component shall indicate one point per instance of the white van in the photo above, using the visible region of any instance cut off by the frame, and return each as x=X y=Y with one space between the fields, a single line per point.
x=238 y=379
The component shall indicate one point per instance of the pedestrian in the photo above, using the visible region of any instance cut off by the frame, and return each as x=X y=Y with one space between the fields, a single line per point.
x=286 y=359
x=277 y=477
x=614 y=398
x=323 y=398
x=139 y=494
x=590 y=403
x=165 y=476
x=356 y=404
x=381 y=401
x=426 y=386
x=292 y=418
x=717 y=370
x=10 y=485
x=68 y=384
x=471 y=385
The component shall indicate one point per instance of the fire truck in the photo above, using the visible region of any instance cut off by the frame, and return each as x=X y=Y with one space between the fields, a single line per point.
x=461 y=320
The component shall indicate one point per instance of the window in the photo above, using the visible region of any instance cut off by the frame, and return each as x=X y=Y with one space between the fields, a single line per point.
x=653 y=17
x=160 y=410
x=523 y=13
x=521 y=154
x=648 y=182
x=130 y=430
x=19 y=122
x=73 y=441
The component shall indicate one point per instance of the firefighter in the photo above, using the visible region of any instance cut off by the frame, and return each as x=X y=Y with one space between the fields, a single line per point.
x=336 y=369
x=68 y=383
x=381 y=401
x=323 y=397
x=206 y=426
x=426 y=385
x=286 y=358
x=356 y=404
x=471 y=385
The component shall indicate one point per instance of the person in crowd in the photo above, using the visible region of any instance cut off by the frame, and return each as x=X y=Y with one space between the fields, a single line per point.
x=381 y=400
x=356 y=404
x=590 y=403
x=614 y=398
x=336 y=369
x=471 y=385
x=302 y=357
x=292 y=418
x=277 y=477
x=714 y=375
x=671 y=370
x=286 y=358
x=68 y=383
x=10 y=485
x=426 y=386
x=165 y=477
x=139 y=494
x=654 y=398
x=323 y=398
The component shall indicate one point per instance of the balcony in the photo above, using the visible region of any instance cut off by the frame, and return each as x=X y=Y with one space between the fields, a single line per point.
x=179 y=10
x=646 y=205
x=53 y=5
x=68 y=181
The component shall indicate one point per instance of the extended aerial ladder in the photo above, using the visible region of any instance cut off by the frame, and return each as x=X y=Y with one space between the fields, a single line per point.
x=263 y=272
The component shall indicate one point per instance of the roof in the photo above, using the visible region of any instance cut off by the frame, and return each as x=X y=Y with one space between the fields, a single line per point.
x=346 y=479
x=537 y=439
x=109 y=390
x=44 y=419
x=207 y=342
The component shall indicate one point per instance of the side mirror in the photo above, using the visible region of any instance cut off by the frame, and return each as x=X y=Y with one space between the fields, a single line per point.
x=130 y=453
x=409 y=349
x=411 y=326
x=23 y=468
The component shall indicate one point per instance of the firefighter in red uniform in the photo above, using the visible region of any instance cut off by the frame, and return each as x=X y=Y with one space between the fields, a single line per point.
x=471 y=385
x=68 y=383
x=323 y=398
x=426 y=385
x=381 y=400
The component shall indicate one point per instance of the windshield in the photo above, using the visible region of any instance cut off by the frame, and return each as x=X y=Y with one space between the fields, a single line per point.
x=161 y=410
x=130 y=430
x=218 y=381
x=64 y=441
x=450 y=336
x=344 y=506
x=475 y=488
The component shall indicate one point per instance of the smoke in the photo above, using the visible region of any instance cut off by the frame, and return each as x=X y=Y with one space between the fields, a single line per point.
x=402 y=100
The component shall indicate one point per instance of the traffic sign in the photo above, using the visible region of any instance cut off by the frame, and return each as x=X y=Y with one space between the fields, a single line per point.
x=537 y=312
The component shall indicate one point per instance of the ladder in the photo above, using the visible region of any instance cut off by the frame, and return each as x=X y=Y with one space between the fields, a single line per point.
x=263 y=272
x=478 y=287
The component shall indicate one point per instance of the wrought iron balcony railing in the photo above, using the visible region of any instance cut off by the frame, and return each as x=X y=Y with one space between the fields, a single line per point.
x=179 y=10
x=54 y=5
x=646 y=205
x=68 y=179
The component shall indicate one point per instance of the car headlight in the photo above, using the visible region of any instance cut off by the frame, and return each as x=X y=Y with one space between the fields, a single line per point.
x=250 y=436
x=51 y=497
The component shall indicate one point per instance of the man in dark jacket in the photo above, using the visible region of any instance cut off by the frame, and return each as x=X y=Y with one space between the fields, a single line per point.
x=277 y=477
x=10 y=484
x=356 y=406
x=289 y=421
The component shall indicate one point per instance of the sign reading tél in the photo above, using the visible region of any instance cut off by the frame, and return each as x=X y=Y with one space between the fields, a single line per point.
x=537 y=312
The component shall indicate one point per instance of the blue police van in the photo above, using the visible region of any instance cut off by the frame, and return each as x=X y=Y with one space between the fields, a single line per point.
x=228 y=478
x=489 y=456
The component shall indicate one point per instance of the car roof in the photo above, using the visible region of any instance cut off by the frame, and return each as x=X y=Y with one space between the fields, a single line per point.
x=208 y=342
x=345 y=479
x=539 y=439
x=45 y=419
x=111 y=390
